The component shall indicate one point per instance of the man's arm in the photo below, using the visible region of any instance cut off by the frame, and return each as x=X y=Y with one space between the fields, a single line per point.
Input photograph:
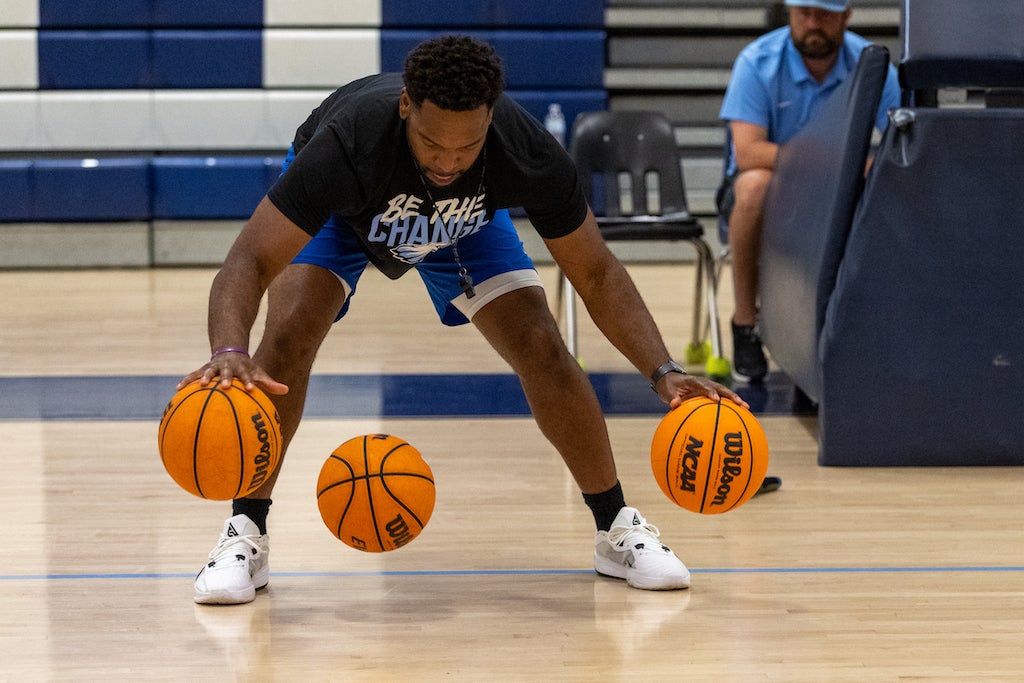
x=617 y=309
x=750 y=142
x=267 y=243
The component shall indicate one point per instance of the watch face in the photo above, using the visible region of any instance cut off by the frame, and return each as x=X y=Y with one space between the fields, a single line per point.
x=668 y=367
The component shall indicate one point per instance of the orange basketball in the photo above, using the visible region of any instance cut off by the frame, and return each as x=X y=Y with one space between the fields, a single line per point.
x=709 y=456
x=375 y=493
x=220 y=443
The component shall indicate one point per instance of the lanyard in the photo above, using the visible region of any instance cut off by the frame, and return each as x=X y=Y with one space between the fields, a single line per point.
x=465 y=281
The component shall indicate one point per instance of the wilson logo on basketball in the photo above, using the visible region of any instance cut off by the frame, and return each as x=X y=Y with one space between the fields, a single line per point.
x=732 y=466
x=691 y=458
x=398 y=530
x=262 y=459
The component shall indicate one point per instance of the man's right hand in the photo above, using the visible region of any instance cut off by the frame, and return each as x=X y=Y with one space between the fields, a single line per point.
x=231 y=365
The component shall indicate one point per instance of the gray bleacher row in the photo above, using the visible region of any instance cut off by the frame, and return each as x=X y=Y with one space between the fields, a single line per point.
x=676 y=56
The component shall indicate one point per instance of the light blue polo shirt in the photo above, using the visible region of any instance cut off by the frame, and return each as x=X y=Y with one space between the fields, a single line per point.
x=771 y=87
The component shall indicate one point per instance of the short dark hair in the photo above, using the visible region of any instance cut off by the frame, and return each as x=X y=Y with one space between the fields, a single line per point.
x=457 y=73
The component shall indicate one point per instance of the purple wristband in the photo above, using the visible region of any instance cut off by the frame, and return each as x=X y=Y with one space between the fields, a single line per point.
x=229 y=349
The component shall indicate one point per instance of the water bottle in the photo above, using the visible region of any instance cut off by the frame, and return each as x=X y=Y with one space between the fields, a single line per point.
x=555 y=122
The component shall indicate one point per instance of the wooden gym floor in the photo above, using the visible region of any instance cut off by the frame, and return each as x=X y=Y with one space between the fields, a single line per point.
x=842 y=575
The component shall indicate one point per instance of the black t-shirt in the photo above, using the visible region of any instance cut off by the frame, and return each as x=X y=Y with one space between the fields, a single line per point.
x=352 y=162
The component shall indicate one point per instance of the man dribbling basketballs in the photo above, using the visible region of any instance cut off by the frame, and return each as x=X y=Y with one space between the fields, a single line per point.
x=417 y=170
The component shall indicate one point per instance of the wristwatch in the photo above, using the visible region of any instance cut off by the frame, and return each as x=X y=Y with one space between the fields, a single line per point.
x=663 y=370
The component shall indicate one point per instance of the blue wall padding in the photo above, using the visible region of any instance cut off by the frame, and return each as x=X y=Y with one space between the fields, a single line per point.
x=207 y=59
x=70 y=60
x=111 y=189
x=492 y=13
x=227 y=187
x=532 y=59
x=922 y=351
x=92 y=13
x=149 y=13
x=15 y=190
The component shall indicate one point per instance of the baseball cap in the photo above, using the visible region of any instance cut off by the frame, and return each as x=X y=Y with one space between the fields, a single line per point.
x=828 y=5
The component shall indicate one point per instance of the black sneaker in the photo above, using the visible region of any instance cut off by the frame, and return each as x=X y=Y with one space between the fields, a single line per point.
x=748 y=361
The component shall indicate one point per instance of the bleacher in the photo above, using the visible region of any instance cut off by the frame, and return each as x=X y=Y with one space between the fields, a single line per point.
x=143 y=132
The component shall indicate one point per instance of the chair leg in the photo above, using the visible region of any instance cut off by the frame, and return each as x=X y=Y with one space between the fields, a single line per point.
x=698 y=350
x=698 y=306
x=721 y=261
x=717 y=365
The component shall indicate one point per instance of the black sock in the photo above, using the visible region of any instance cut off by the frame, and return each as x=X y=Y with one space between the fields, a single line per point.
x=605 y=506
x=255 y=509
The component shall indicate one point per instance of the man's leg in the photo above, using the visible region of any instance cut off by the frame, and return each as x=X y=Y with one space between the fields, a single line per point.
x=520 y=327
x=745 y=241
x=303 y=302
x=745 y=224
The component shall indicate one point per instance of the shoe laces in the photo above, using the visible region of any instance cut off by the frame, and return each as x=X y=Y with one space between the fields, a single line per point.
x=227 y=544
x=634 y=535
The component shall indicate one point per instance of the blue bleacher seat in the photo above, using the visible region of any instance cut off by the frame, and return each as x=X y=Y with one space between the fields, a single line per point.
x=149 y=13
x=207 y=59
x=90 y=189
x=581 y=13
x=15 y=190
x=532 y=59
x=196 y=13
x=211 y=188
x=150 y=59
x=70 y=60
x=94 y=13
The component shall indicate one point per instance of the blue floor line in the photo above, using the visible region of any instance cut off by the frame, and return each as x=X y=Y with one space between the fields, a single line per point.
x=528 y=572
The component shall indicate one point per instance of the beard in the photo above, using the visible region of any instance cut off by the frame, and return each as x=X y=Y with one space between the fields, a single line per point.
x=816 y=45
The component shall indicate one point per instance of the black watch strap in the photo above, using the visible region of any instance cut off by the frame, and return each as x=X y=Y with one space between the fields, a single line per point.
x=663 y=370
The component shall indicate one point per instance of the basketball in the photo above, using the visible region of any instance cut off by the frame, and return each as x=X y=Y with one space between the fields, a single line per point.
x=709 y=456
x=220 y=443
x=375 y=493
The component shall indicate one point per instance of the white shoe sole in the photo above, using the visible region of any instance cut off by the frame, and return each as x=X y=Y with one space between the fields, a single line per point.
x=225 y=597
x=606 y=567
x=229 y=597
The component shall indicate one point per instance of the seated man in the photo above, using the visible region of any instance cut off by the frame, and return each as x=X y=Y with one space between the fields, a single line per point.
x=778 y=84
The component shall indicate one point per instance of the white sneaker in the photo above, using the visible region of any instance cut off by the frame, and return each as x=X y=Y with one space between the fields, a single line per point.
x=238 y=565
x=631 y=550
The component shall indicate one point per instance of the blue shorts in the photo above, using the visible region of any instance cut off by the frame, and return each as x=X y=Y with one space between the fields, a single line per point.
x=494 y=258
